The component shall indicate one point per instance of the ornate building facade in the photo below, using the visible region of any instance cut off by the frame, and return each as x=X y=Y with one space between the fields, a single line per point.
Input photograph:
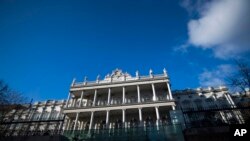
x=121 y=103
x=119 y=100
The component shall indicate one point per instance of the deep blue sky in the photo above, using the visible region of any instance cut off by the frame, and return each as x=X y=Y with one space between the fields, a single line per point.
x=45 y=44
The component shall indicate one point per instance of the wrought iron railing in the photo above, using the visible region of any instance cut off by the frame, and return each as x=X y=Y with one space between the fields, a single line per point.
x=7 y=133
x=159 y=133
x=119 y=102
x=90 y=83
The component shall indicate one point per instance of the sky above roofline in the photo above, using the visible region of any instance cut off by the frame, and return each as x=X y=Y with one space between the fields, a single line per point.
x=45 y=44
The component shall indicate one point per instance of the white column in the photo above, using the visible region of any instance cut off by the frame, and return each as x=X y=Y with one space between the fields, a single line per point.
x=91 y=120
x=140 y=114
x=123 y=95
x=139 y=95
x=76 y=120
x=75 y=101
x=65 y=123
x=154 y=94
x=60 y=125
x=68 y=125
x=95 y=95
x=67 y=103
x=169 y=91
x=157 y=113
x=107 y=118
x=109 y=95
x=123 y=115
x=80 y=103
x=81 y=125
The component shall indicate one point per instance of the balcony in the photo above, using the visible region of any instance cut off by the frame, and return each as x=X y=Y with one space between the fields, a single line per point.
x=118 y=102
x=117 y=81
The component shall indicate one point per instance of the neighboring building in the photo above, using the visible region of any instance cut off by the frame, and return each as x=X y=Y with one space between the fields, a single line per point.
x=34 y=119
x=123 y=106
x=211 y=106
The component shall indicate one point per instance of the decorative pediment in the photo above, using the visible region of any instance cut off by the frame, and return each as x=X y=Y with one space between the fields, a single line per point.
x=117 y=74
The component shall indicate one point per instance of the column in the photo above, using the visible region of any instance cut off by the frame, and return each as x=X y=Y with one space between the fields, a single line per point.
x=91 y=120
x=123 y=116
x=75 y=101
x=61 y=126
x=123 y=95
x=95 y=95
x=81 y=125
x=157 y=117
x=169 y=91
x=140 y=114
x=68 y=124
x=67 y=103
x=109 y=95
x=76 y=120
x=157 y=113
x=80 y=103
x=107 y=118
x=139 y=95
x=154 y=94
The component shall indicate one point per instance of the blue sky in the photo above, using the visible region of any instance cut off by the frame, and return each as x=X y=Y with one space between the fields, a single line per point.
x=45 y=44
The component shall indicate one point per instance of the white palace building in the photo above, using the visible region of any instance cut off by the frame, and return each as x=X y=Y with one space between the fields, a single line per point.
x=119 y=100
x=122 y=101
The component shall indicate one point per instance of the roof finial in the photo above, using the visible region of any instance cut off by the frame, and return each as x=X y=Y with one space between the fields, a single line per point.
x=98 y=78
x=137 y=74
x=73 y=81
x=165 y=72
x=85 y=80
x=151 y=73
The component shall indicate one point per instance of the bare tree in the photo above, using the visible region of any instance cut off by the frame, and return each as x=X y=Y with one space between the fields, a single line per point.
x=241 y=79
x=9 y=100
